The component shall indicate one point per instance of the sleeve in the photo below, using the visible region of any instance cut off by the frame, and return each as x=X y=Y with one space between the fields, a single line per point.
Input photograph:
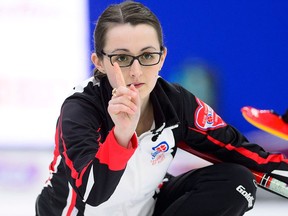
x=94 y=162
x=206 y=132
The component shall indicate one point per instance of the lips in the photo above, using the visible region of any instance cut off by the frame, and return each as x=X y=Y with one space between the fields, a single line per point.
x=137 y=85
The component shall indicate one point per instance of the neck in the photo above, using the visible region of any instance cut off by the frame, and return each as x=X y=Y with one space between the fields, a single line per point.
x=146 y=117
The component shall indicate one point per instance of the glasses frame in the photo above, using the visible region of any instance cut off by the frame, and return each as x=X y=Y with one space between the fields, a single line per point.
x=133 y=58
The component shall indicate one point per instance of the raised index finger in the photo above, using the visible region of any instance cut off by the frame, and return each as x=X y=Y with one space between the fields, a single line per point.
x=118 y=76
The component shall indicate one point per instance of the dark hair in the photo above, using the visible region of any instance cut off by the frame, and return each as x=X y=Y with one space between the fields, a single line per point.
x=126 y=12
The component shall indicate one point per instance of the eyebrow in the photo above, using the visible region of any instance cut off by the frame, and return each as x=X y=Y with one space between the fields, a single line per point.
x=126 y=50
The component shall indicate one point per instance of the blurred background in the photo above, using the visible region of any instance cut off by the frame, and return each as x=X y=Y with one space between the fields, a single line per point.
x=228 y=53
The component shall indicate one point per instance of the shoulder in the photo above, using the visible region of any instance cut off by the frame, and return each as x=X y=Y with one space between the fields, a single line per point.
x=84 y=85
x=172 y=89
x=85 y=95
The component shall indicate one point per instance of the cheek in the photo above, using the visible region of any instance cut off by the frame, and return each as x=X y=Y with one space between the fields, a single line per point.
x=153 y=78
x=156 y=73
x=111 y=78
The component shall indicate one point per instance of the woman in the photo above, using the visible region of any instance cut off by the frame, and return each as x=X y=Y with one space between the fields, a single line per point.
x=118 y=133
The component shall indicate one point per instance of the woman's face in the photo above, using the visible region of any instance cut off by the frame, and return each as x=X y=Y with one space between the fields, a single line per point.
x=132 y=40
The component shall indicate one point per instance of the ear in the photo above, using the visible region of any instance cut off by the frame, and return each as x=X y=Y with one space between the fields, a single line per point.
x=163 y=57
x=98 y=63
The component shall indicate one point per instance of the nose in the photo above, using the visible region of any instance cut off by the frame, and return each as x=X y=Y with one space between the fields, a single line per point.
x=135 y=68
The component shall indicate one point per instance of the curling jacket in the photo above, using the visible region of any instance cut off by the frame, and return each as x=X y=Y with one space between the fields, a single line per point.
x=91 y=174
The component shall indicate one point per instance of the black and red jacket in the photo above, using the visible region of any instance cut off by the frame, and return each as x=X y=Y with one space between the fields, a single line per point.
x=91 y=174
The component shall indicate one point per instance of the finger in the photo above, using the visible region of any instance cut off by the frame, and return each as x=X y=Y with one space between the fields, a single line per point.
x=122 y=108
x=135 y=97
x=124 y=101
x=118 y=76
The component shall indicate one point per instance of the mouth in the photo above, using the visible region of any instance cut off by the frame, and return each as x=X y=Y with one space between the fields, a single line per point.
x=137 y=85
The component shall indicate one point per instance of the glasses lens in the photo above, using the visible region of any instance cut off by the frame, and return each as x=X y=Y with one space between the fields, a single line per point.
x=122 y=60
x=149 y=59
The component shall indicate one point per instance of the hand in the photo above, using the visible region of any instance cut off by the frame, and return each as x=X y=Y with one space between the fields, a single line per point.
x=124 y=108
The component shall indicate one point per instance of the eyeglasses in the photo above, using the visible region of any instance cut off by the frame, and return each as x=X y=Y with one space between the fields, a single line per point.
x=125 y=60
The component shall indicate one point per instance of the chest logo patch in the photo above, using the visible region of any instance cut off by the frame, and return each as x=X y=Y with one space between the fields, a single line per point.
x=158 y=152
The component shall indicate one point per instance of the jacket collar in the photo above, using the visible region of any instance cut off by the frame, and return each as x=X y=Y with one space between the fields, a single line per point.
x=164 y=111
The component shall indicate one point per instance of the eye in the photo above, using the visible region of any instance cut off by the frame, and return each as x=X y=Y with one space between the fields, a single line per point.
x=121 y=58
x=147 y=56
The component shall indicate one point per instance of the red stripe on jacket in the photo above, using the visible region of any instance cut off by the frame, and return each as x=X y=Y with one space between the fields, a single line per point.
x=276 y=158
x=115 y=155
x=73 y=203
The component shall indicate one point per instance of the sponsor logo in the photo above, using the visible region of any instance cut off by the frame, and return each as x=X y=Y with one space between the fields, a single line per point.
x=246 y=195
x=158 y=152
x=206 y=118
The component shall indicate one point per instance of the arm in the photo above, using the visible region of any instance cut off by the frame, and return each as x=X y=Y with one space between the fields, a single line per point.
x=93 y=160
x=264 y=180
x=206 y=132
